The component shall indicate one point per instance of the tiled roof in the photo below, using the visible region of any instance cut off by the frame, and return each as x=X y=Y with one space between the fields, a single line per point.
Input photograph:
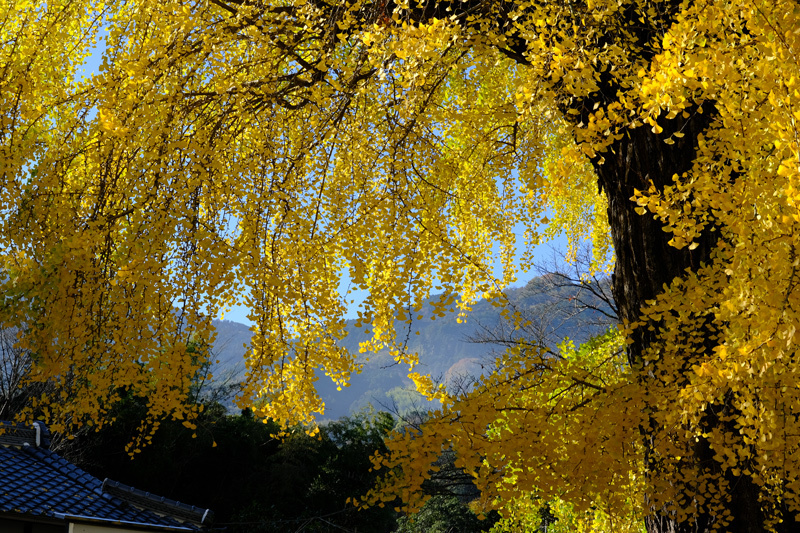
x=37 y=481
x=158 y=503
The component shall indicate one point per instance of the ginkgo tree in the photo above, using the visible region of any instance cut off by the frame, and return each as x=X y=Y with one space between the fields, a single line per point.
x=257 y=152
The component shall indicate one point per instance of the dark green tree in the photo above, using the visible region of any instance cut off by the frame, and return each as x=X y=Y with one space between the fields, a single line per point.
x=251 y=479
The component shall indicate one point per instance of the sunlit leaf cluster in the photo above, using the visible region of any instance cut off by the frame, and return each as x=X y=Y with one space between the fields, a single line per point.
x=520 y=431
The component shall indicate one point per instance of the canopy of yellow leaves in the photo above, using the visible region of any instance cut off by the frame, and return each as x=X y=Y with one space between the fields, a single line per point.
x=252 y=156
x=256 y=152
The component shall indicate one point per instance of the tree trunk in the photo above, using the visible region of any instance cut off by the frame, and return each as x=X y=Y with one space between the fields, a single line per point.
x=645 y=263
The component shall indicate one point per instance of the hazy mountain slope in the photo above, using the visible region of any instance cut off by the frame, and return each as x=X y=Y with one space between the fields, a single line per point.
x=229 y=348
x=448 y=350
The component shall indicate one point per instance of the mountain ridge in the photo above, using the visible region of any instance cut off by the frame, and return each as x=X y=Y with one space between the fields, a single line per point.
x=448 y=350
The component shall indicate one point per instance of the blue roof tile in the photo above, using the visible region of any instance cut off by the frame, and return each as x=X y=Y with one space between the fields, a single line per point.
x=37 y=481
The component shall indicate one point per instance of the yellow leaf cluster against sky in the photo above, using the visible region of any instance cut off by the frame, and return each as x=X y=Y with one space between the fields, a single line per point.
x=253 y=158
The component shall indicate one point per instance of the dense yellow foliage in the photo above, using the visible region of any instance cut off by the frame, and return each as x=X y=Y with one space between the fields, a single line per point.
x=257 y=152
x=248 y=155
x=740 y=397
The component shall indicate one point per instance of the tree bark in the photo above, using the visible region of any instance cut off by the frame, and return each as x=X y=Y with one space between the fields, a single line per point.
x=645 y=264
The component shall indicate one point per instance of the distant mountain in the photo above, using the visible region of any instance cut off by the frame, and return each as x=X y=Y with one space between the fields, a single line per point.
x=449 y=351
x=228 y=350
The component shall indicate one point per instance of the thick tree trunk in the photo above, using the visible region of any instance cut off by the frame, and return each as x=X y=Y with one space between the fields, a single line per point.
x=645 y=263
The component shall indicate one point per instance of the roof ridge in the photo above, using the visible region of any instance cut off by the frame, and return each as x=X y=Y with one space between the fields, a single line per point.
x=16 y=434
x=157 y=504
